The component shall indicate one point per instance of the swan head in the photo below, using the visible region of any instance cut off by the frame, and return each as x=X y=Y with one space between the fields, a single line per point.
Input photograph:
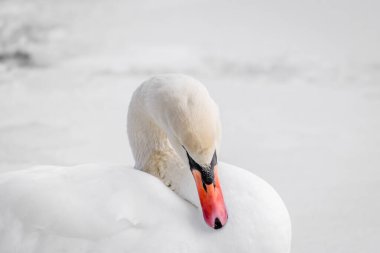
x=181 y=107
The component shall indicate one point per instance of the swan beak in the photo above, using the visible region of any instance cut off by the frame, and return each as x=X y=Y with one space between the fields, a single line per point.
x=211 y=198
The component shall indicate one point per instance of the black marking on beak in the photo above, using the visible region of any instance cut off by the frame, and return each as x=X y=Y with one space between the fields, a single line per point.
x=206 y=174
x=204 y=186
x=217 y=224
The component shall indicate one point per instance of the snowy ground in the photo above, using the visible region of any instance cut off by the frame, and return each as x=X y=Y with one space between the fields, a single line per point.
x=300 y=102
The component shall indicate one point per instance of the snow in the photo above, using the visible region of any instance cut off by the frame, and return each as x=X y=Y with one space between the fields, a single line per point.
x=297 y=85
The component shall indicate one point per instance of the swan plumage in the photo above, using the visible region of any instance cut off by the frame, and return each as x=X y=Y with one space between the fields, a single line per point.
x=111 y=208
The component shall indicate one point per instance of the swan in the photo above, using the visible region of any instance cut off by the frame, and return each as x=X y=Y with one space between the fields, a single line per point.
x=157 y=205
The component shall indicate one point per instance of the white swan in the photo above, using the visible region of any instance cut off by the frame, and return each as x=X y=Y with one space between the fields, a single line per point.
x=174 y=132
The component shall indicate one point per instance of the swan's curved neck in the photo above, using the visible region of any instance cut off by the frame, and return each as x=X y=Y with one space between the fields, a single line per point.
x=153 y=151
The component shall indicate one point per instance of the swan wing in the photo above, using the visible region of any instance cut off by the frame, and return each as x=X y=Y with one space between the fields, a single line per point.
x=94 y=208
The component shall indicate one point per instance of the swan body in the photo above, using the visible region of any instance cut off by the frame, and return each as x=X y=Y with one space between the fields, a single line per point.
x=109 y=208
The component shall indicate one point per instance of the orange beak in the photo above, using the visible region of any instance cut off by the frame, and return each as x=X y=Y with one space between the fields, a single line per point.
x=211 y=198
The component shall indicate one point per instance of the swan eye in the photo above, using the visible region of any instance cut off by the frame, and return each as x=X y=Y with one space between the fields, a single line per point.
x=193 y=164
x=213 y=161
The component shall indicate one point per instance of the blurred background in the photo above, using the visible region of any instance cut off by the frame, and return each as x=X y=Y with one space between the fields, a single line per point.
x=297 y=82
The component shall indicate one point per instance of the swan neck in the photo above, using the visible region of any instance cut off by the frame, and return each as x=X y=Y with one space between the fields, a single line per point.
x=151 y=148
